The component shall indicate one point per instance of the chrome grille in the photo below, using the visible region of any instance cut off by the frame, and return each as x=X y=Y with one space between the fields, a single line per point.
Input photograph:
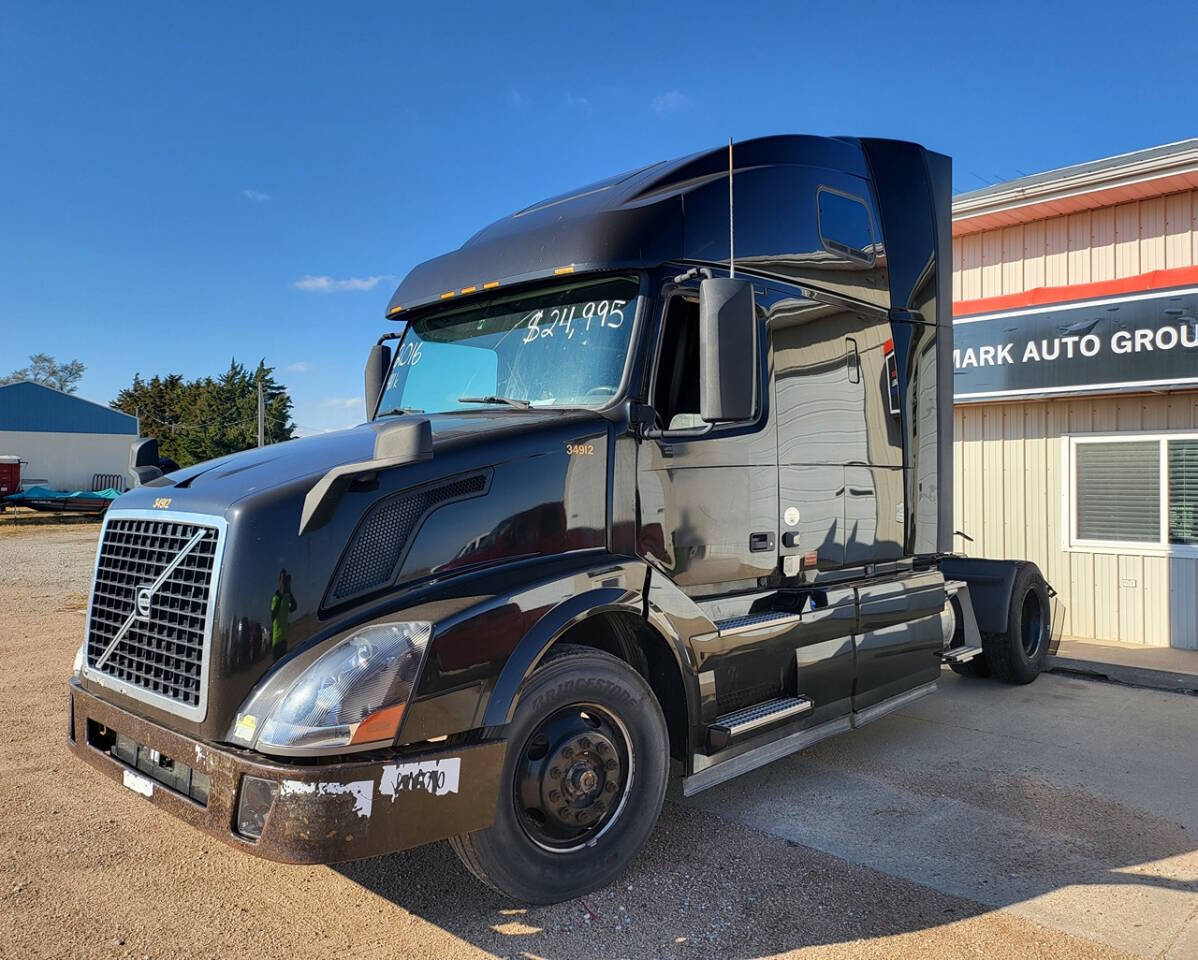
x=150 y=616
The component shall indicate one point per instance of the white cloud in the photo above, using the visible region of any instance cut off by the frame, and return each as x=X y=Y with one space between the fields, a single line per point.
x=342 y=403
x=326 y=284
x=515 y=99
x=298 y=367
x=581 y=102
x=670 y=101
x=257 y=196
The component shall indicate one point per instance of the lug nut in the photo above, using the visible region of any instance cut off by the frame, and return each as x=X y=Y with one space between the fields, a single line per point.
x=611 y=764
x=567 y=752
x=585 y=743
x=563 y=813
x=555 y=772
x=610 y=786
x=554 y=796
x=601 y=747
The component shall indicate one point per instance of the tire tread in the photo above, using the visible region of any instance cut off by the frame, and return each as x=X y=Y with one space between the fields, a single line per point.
x=481 y=852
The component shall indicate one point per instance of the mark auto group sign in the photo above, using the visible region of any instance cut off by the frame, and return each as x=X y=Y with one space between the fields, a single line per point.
x=1116 y=343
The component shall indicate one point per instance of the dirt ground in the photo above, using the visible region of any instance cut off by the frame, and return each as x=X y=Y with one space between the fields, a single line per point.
x=87 y=869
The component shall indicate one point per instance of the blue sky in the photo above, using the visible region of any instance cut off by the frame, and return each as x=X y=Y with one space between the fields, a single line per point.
x=182 y=183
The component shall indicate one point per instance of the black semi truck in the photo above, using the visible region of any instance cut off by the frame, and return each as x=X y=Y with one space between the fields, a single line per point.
x=635 y=490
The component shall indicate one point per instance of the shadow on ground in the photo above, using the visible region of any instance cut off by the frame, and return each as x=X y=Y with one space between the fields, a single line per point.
x=702 y=887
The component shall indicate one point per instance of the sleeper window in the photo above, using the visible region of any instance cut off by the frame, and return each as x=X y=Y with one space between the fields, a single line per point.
x=844 y=225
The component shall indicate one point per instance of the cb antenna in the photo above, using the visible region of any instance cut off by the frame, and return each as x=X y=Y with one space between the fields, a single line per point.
x=731 y=261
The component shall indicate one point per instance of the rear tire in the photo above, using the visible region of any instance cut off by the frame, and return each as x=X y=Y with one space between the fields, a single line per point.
x=1019 y=655
x=584 y=778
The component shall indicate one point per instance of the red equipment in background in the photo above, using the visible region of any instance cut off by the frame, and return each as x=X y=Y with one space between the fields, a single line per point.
x=10 y=475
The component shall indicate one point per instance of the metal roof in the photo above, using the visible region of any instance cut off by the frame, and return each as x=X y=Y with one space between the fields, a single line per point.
x=34 y=407
x=1081 y=186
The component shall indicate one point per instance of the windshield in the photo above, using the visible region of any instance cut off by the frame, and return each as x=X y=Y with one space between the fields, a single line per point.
x=565 y=345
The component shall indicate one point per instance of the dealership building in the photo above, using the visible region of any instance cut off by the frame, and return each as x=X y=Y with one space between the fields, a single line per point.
x=1076 y=388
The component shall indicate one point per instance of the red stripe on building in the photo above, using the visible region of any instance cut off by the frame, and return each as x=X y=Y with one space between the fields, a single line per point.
x=1156 y=280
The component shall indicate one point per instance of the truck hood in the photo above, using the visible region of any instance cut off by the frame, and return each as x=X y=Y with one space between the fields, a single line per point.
x=511 y=484
x=216 y=486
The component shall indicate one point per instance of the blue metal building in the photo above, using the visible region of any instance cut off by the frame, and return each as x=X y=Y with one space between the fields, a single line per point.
x=64 y=441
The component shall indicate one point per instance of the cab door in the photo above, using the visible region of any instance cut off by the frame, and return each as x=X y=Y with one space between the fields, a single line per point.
x=708 y=514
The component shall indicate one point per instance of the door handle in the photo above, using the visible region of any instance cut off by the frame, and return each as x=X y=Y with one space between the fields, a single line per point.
x=761 y=541
x=854 y=357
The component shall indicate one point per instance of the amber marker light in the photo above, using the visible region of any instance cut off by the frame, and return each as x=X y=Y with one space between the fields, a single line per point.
x=381 y=725
x=447 y=294
x=490 y=285
x=558 y=271
x=393 y=311
x=469 y=289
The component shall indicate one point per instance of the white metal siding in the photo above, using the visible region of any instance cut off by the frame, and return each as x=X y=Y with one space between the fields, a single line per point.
x=1007 y=495
x=67 y=461
x=1104 y=244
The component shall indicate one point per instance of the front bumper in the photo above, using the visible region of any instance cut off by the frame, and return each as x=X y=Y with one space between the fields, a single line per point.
x=320 y=814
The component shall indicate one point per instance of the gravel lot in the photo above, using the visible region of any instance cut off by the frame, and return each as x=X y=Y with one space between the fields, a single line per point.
x=87 y=869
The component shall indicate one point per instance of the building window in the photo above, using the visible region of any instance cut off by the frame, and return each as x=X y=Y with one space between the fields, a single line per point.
x=1135 y=492
x=1183 y=491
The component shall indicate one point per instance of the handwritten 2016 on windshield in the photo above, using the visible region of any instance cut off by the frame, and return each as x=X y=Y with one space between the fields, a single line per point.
x=609 y=315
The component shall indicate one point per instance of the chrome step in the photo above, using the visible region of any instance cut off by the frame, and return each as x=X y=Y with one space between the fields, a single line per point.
x=740 y=722
x=755 y=621
x=960 y=654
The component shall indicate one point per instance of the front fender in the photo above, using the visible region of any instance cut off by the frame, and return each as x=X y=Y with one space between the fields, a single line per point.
x=490 y=631
x=545 y=632
x=485 y=644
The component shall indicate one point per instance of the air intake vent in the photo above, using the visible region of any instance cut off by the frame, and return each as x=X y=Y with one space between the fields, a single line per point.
x=382 y=539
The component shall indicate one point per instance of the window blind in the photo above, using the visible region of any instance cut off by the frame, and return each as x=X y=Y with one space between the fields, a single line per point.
x=1118 y=491
x=1183 y=491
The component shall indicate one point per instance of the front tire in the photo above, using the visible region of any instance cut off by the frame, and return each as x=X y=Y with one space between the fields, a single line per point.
x=583 y=781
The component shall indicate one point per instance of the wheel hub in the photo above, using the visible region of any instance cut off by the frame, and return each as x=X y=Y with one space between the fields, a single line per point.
x=571 y=777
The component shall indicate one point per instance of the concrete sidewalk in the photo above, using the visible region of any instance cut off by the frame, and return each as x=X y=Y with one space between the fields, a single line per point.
x=1160 y=668
x=1068 y=803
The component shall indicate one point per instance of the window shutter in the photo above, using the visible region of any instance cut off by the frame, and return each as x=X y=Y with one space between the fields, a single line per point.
x=1118 y=491
x=1183 y=491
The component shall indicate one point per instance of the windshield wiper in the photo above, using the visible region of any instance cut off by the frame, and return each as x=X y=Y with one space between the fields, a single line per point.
x=400 y=411
x=510 y=401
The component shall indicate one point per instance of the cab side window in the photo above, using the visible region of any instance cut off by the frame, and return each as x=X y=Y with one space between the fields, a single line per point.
x=676 y=392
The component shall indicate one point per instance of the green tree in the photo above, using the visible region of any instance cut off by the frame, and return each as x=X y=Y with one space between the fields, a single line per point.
x=208 y=417
x=44 y=369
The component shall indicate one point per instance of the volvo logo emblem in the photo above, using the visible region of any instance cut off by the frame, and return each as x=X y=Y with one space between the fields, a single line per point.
x=143 y=597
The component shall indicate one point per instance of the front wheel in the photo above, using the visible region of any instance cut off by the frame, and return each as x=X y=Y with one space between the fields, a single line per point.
x=583 y=781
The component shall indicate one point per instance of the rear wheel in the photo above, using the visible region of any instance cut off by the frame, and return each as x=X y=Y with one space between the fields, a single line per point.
x=583 y=781
x=1019 y=655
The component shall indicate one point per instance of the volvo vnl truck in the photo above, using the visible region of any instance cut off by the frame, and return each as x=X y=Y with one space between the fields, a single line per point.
x=636 y=491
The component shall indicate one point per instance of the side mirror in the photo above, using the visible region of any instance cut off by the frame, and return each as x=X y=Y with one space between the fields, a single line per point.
x=143 y=460
x=727 y=350
x=376 y=372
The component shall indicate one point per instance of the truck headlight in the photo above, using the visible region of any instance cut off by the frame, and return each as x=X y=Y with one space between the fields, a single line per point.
x=354 y=694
